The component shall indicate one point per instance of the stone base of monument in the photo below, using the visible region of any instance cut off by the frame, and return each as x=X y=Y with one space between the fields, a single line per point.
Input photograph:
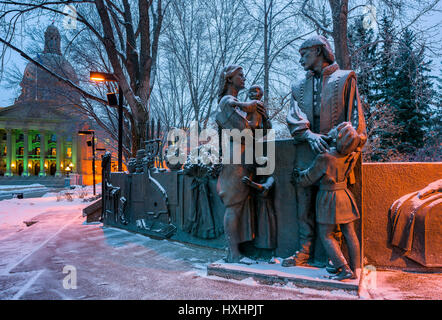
x=267 y=273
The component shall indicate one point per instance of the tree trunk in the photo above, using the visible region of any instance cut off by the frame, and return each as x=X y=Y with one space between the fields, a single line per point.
x=266 y=54
x=339 y=10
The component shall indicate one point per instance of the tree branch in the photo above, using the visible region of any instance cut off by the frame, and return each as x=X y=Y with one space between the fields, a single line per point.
x=43 y=67
x=313 y=19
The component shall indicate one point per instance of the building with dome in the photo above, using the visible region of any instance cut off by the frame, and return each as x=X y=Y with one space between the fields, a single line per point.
x=39 y=141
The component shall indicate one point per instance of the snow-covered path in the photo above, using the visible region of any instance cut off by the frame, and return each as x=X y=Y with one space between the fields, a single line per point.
x=110 y=263
x=115 y=264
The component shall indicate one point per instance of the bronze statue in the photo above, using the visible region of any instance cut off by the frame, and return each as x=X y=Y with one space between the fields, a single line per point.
x=327 y=97
x=335 y=204
x=265 y=236
x=203 y=221
x=236 y=196
x=414 y=225
x=255 y=119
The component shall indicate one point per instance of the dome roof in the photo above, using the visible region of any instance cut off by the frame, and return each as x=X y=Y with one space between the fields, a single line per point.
x=52 y=40
x=38 y=84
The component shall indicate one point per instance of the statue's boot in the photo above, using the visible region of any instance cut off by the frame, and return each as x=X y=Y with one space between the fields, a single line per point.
x=343 y=274
x=331 y=268
x=299 y=259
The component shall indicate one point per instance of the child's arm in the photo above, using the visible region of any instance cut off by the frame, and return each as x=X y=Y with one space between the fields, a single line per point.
x=264 y=188
x=252 y=184
x=252 y=106
x=311 y=175
x=351 y=162
x=270 y=182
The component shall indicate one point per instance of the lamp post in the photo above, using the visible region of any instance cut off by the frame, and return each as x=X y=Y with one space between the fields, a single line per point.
x=92 y=144
x=68 y=169
x=112 y=101
x=103 y=180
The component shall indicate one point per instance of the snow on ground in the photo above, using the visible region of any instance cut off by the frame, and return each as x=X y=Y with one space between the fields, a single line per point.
x=112 y=263
x=19 y=187
x=308 y=292
x=116 y=264
x=28 y=191
x=13 y=212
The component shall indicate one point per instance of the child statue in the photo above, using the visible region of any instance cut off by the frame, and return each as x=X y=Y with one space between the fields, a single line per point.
x=256 y=120
x=265 y=237
x=335 y=204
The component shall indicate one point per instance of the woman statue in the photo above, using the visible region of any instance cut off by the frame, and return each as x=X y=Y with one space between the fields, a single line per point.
x=236 y=196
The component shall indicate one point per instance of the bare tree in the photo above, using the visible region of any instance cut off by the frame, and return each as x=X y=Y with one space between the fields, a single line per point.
x=168 y=64
x=279 y=30
x=124 y=34
x=202 y=37
x=405 y=13
x=339 y=13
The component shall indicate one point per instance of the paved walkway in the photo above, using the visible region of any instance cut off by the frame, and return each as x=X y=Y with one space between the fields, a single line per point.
x=115 y=264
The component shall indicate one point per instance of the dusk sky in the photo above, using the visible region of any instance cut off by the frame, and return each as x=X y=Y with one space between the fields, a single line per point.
x=7 y=95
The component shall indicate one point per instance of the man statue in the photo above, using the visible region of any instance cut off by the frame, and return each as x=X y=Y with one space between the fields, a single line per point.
x=326 y=98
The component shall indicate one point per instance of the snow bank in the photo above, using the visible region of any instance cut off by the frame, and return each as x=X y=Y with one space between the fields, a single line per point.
x=14 y=211
x=20 y=187
x=28 y=191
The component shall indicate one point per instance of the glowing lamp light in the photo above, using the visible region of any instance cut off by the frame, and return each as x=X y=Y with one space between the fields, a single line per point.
x=101 y=76
x=71 y=165
x=13 y=165
x=46 y=165
x=61 y=165
x=97 y=78
x=85 y=132
x=30 y=165
x=68 y=168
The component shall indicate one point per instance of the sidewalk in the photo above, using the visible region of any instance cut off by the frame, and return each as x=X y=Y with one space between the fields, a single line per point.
x=115 y=264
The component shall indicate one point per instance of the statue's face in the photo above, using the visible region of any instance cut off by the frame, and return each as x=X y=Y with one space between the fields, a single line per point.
x=238 y=79
x=309 y=58
x=255 y=94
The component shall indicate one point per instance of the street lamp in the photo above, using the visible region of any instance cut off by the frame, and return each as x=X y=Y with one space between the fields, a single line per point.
x=102 y=179
x=112 y=101
x=90 y=144
x=68 y=169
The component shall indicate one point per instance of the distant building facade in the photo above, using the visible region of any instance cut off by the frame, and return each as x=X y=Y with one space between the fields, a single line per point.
x=39 y=132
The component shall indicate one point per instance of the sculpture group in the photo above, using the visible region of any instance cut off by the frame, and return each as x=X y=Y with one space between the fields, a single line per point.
x=325 y=113
x=305 y=210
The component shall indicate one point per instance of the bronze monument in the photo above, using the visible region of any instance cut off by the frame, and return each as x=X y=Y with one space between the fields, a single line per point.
x=335 y=204
x=327 y=97
x=414 y=225
x=237 y=197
